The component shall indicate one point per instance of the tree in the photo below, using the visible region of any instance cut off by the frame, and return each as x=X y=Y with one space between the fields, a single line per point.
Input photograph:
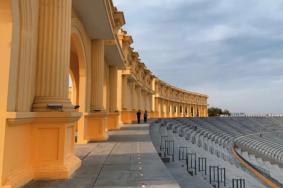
x=214 y=111
x=226 y=112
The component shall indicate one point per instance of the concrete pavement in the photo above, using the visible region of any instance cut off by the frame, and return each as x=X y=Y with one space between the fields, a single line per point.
x=127 y=159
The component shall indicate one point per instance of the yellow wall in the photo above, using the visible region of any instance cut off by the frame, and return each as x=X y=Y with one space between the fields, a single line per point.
x=5 y=49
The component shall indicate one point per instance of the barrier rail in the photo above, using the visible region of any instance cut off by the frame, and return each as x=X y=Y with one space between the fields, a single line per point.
x=202 y=165
x=238 y=183
x=264 y=179
x=191 y=163
x=162 y=140
x=217 y=175
x=183 y=151
x=170 y=148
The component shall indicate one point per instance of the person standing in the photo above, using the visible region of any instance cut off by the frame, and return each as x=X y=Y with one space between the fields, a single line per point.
x=145 y=116
x=139 y=116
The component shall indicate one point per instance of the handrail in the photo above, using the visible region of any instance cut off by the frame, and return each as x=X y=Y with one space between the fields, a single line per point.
x=256 y=172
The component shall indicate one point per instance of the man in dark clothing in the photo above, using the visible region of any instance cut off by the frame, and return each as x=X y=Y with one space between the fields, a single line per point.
x=145 y=116
x=139 y=116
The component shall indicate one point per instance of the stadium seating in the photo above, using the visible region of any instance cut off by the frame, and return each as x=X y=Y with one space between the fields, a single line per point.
x=259 y=140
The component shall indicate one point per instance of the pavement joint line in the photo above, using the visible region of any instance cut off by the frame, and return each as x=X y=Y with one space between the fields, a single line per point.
x=108 y=157
x=86 y=155
x=102 y=165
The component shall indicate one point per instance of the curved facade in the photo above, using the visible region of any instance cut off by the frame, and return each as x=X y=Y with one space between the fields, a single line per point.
x=43 y=43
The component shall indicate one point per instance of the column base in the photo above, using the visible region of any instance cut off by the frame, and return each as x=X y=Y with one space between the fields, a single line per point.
x=39 y=145
x=113 y=121
x=126 y=117
x=97 y=127
x=57 y=170
x=18 y=177
x=151 y=115
x=156 y=115
x=81 y=131
x=134 y=116
x=40 y=104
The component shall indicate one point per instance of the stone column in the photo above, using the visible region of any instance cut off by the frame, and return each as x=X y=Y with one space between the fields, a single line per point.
x=149 y=102
x=191 y=111
x=132 y=101
x=106 y=98
x=53 y=55
x=126 y=100
x=157 y=110
x=97 y=75
x=171 y=109
x=200 y=111
x=97 y=120
x=153 y=105
x=160 y=107
x=144 y=100
x=165 y=108
x=177 y=109
x=195 y=110
x=113 y=117
x=187 y=110
x=183 y=110
x=53 y=130
x=133 y=94
x=125 y=96
x=113 y=89
x=139 y=103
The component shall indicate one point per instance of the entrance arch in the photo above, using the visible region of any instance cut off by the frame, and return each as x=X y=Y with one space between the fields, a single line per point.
x=79 y=73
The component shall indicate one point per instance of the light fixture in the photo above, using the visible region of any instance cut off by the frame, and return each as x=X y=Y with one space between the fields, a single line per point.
x=55 y=106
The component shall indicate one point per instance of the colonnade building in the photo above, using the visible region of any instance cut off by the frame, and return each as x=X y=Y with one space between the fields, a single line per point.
x=45 y=43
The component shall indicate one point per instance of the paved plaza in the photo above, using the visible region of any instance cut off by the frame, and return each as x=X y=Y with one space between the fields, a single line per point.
x=128 y=159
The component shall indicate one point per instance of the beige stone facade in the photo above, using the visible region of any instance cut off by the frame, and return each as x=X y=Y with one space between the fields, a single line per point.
x=42 y=44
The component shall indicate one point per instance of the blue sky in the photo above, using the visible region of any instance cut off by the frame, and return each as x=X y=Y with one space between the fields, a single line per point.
x=231 y=50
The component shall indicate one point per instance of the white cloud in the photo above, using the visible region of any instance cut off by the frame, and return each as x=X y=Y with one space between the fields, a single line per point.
x=231 y=50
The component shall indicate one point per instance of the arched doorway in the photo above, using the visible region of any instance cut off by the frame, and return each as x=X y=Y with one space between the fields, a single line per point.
x=78 y=83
